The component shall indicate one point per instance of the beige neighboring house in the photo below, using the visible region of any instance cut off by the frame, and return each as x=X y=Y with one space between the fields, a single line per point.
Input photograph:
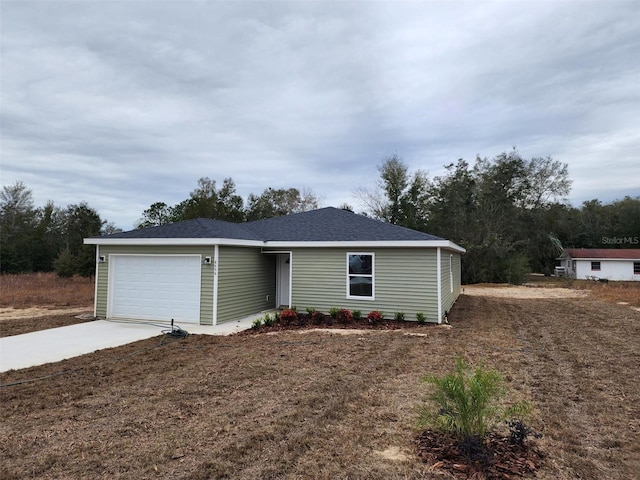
x=601 y=263
x=210 y=271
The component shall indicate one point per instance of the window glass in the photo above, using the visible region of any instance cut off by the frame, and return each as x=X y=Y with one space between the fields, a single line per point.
x=360 y=264
x=595 y=265
x=636 y=268
x=360 y=276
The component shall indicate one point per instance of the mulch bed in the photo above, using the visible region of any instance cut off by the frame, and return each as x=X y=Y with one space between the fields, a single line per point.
x=304 y=323
x=500 y=458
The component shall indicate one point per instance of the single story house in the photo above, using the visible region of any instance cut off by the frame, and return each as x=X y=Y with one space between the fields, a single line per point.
x=609 y=263
x=210 y=271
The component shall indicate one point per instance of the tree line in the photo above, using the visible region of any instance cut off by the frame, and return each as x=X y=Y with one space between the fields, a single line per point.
x=509 y=213
x=223 y=203
x=50 y=238
x=46 y=238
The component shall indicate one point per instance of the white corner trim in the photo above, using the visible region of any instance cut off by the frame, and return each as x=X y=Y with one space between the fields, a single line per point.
x=290 y=279
x=95 y=292
x=439 y=280
x=216 y=257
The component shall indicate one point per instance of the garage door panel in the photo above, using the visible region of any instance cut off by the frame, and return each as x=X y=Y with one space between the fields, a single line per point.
x=154 y=287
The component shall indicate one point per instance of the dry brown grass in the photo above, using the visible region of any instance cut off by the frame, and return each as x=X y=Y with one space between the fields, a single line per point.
x=45 y=290
x=628 y=292
x=318 y=405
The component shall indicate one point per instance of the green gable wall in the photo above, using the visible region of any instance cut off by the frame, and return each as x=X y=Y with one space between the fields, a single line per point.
x=450 y=275
x=246 y=282
x=405 y=280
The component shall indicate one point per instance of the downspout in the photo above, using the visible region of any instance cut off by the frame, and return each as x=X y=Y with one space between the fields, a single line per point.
x=439 y=273
x=95 y=292
x=216 y=256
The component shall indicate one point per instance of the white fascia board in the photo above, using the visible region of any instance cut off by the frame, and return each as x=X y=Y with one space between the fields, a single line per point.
x=173 y=241
x=369 y=244
x=446 y=244
x=604 y=259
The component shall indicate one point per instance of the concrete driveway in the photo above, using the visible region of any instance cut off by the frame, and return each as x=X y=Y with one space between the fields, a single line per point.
x=55 y=344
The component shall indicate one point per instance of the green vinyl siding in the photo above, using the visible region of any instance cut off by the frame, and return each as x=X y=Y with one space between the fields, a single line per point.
x=405 y=280
x=246 y=282
x=457 y=275
x=450 y=277
x=206 y=280
x=446 y=280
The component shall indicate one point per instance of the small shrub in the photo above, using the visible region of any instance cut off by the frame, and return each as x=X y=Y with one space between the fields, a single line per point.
x=398 y=316
x=468 y=403
x=276 y=317
x=268 y=320
x=257 y=323
x=344 y=316
x=317 y=317
x=310 y=310
x=357 y=315
x=519 y=432
x=333 y=312
x=375 y=316
x=421 y=317
x=289 y=316
x=294 y=308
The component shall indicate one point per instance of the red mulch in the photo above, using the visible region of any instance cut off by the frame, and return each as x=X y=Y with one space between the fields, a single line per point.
x=500 y=458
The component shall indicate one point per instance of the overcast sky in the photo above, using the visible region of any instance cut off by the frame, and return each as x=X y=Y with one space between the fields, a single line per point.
x=125 y=103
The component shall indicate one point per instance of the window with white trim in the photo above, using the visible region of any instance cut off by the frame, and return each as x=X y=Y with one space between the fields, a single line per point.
x=360 y=275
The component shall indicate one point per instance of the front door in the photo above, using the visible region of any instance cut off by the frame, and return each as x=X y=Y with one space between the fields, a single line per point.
x=283 y=283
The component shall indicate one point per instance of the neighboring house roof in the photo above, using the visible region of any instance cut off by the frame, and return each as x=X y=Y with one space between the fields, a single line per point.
x=325 y=225
x=603 y=253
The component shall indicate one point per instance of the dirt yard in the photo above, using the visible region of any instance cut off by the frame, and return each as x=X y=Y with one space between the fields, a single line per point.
x=38 y=301
x=327 y=406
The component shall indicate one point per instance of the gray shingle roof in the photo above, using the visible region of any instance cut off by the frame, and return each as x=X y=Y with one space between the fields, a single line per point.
x=330 y=225
x=197 y=228
x=322 y=225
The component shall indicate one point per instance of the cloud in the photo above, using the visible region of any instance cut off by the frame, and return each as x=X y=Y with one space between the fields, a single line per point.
x=123 y=104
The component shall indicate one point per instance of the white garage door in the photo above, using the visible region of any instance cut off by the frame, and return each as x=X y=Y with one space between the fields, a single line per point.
x=155 y=287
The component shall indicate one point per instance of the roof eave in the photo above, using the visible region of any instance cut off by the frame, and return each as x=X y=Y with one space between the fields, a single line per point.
x=599 y=259
x=173 y=241
x=446 y=244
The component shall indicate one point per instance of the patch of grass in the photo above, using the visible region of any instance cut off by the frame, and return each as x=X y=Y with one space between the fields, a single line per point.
x=45 y=290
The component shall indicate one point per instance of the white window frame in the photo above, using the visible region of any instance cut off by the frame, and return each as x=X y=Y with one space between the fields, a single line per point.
x=373 y=277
